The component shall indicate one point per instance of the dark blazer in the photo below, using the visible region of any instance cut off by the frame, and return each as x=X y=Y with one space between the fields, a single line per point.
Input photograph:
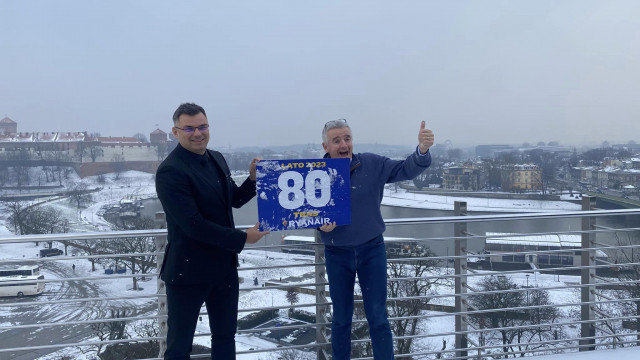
x=203 y=243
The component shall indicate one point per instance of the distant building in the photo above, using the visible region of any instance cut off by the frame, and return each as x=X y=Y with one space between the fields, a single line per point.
x=548 y=149
x=619 y=178
x=490 y=151
x=615 y=177
x=158 y=136
x=505 y=250
x=8 y=126
x=521 y=177
x=89 y=156
x=461 y=178
x=631 y=147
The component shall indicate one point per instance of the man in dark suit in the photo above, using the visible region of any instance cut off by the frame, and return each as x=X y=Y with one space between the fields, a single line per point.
x=197 y=193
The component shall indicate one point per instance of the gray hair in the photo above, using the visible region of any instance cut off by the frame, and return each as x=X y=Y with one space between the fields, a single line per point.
x=333 y=124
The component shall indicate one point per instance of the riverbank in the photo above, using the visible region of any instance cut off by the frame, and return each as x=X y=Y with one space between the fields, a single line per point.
x=403 y=198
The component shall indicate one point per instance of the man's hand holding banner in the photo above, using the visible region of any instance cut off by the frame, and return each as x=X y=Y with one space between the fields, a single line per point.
x=303 y=193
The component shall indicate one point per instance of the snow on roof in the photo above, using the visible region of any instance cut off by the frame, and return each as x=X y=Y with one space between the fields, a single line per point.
x=44 y=137
x=561 y=240
x=18 y=267
x=118 y=139
x=70 y=136
x=24 y=137
x=47 y=136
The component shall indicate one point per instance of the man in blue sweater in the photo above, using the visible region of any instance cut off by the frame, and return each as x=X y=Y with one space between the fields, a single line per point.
x=358 y=249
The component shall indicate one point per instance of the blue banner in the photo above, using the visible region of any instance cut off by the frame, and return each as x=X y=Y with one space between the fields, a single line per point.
x=303 y=193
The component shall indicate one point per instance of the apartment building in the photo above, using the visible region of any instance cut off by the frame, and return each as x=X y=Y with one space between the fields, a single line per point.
x=521 y=177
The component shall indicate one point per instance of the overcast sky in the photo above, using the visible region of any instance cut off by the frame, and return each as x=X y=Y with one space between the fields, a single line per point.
x=273 y=72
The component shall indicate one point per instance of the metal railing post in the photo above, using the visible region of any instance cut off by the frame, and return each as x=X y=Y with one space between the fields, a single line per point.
x=460 y=231
x=322 y=306
x=587 y=291
x=161 y=243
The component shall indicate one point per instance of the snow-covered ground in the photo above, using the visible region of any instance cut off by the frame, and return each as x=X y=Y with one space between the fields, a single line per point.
x=629 y=353
x=403 y=198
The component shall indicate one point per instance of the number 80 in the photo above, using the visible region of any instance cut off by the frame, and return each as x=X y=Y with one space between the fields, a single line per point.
x=292 y=197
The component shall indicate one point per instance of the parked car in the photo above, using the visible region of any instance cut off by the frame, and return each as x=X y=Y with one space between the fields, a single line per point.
x=50 y=252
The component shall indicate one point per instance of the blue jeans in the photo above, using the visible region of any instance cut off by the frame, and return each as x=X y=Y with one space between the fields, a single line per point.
x=369 y=262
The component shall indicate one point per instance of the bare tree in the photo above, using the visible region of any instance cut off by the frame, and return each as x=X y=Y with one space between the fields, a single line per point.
x=80 y=194
x=4 y=174
x=490 y=173
x=135 y=245
x=90 y=147
x=19 y=161
x=141 y=137
x=499 y=319
x=292 y=354
x=138 y=349
x=117 y=165
x=406 y=299
x=94 y=150
x=548 y=164
x=91 y=247
x=108 y=330
x=539 y=313
x=162 y=150
x=17 y=211
x=410 y=297
x=25 y=218
x=57 y=162
x=631 y=274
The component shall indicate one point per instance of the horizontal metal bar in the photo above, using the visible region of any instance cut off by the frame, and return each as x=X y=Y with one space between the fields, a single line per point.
x=63 y=280
x=80 y=322
x=88 y=343
x=82 y=236
x=80 y=300
x=508 y=217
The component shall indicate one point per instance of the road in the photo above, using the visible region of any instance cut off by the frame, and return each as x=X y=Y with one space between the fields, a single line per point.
x=33 y=314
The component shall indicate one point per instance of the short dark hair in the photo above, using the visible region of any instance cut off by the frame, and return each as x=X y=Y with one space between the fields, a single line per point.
x=187 y=109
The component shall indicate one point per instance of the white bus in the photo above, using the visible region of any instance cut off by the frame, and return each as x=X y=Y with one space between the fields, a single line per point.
x=20 y=281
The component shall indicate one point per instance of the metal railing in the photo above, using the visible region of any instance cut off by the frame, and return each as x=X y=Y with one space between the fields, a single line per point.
x=464 y=305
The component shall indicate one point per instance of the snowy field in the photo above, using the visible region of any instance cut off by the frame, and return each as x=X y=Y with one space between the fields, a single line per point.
x=632 y=353
x=438 y=202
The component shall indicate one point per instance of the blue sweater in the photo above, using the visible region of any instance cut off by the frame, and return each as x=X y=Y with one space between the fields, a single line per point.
x=369 y=174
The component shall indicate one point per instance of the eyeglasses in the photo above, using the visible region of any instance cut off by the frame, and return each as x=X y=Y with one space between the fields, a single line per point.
x=335 y=123
x=191 y=129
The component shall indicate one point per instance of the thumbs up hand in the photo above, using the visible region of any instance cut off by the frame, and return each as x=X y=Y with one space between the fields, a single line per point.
x=425 y=138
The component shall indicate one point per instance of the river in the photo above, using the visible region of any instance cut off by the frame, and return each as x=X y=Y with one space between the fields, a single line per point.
x=248 y=214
